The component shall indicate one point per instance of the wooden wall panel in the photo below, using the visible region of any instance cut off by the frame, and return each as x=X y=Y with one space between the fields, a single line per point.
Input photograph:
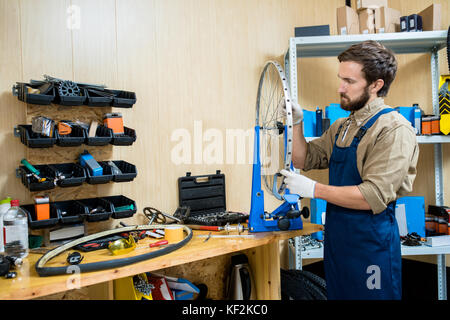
x=11 y=111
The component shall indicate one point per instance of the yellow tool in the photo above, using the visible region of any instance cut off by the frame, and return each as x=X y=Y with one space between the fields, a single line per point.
x=444 y=104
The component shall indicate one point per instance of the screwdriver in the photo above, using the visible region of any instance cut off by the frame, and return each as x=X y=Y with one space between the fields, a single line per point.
x=155 y=244
x=34 y=172
x=158 y=243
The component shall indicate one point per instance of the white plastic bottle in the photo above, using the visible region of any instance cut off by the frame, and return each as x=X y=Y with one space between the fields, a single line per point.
x=5 y=204
x=15 y=231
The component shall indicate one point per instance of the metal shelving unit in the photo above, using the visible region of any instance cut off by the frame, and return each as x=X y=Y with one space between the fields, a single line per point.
x=429 y=42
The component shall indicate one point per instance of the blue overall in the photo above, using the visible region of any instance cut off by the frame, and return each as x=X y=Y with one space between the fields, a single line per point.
x=362 y=257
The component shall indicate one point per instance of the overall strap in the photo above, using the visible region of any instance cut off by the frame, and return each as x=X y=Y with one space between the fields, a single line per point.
x=362 y=131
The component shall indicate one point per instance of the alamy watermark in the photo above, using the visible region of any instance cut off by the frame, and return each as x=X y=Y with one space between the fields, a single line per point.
x=74 y=280
x=229 y=146
x=374 y=280
x=73 y=21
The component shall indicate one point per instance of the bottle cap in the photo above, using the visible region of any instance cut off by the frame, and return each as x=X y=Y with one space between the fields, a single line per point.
x=14 y=203
x=7 y=200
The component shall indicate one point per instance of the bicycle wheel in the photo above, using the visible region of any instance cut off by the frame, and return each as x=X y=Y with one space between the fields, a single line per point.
x=274 y=118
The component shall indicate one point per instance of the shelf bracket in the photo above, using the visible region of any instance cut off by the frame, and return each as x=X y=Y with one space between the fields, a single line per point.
x=16 y=132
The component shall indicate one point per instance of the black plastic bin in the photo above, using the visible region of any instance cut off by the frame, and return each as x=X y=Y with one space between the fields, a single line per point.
x=105 y=178
x=125 y=139
x=32 y=183
x=121 y=201
x=123 y=99
x=96 y=203
x=35 y=140
x=129 y=171
x=21 y=91
x=70 y=100
x=103 y=136
x=40 y=224
x=96 y=98
x=69 y=212
x=74 y=174
x=75 y=138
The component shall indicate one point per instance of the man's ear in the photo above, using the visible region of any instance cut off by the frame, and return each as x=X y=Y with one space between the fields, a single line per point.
x=376 y=86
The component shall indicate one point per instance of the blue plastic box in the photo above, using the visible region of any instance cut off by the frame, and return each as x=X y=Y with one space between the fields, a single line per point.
x=334 y=112
x=88 y=161
x=318 y=209
x=309 y=123
x=408 y=113
x=415 y=214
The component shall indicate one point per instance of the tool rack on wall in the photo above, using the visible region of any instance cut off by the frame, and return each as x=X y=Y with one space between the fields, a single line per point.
x=69 y=184
x=429 y=42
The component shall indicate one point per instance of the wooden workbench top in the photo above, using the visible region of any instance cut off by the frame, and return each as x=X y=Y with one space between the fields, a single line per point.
x=28 y=284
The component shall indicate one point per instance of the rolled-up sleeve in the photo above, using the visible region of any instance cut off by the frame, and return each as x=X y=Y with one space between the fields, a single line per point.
x=389 y=165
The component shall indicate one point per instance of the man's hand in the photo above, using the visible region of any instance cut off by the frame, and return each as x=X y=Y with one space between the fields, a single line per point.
x=299 y=184
x=297 y=112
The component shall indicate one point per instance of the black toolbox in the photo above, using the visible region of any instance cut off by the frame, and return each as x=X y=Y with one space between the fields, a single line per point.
x=97 y=209
x=98 y=98
x=103 y=136
x=68 y=174
x=205 y=196
x=70 y=211
x=70 y=100
x=40 y=224
x=35 y=140
x=73 y=139
x=106 y=177
x=125 y=139
x=45 y=96
x=32 y=183
x=123 y=99
x=122 y=206
x=129 y=171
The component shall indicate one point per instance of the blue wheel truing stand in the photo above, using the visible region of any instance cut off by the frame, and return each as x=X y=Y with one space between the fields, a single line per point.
x=259 y=220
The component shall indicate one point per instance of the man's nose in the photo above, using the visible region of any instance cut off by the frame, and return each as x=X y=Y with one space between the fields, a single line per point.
x=342 y=87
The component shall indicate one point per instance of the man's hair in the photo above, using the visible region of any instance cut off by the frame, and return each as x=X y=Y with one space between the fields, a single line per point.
x=378 y=62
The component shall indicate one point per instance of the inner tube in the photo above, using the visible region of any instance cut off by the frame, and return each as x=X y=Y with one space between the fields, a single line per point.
x=102 y=265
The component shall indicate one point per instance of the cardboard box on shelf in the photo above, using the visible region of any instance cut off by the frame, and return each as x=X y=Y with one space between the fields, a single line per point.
x=431 y=17
x=387 y=20
x=367 y=21
x=347 y=20
x=370 y=4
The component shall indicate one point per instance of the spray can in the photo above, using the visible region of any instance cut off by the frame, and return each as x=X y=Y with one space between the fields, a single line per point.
x=417 y=119
x=319 y=117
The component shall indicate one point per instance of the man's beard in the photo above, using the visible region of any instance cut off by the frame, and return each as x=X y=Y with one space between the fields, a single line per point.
x=358 y=103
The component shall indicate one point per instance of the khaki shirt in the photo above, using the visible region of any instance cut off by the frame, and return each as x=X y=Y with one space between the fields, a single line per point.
x=386 y=156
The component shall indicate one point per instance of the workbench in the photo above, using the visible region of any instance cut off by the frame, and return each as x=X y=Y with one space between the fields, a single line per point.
x=263 y=253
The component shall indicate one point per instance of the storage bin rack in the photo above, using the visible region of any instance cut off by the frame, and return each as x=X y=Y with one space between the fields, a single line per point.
x=79 y=136
x=90 y=96
x=401 y=43
x=77 y=211
x=74 y=175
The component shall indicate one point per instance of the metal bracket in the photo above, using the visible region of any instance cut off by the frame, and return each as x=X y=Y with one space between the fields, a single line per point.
x=16 y=132
x=15 y=91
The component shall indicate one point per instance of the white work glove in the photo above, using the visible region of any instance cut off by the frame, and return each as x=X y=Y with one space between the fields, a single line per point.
x=297 y=112
x=299 y=184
